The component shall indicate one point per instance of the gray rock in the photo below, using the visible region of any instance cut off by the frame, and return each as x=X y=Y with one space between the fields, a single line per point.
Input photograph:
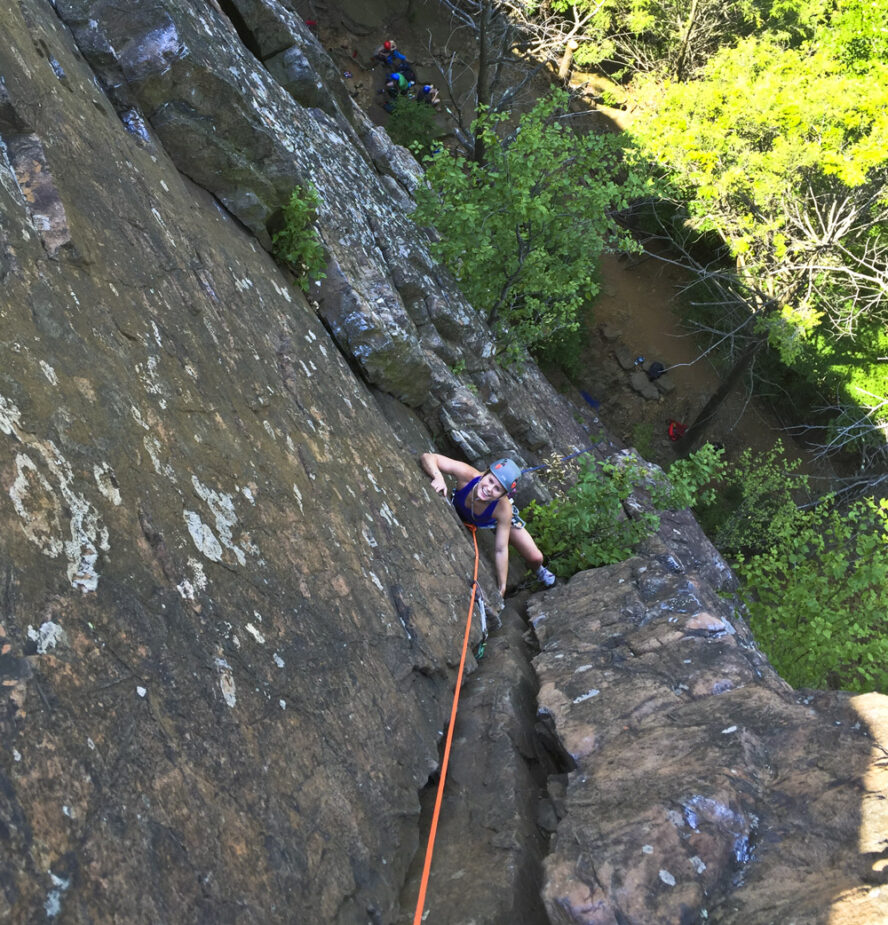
x=665 y=384
x=640 y=383
x=625 y=357
x=696 y=790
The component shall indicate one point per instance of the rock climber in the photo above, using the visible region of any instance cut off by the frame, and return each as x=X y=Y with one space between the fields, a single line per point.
x=428 y=93
x=484 y=500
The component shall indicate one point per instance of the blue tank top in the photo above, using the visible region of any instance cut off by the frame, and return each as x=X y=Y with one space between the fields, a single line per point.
x=463 y=503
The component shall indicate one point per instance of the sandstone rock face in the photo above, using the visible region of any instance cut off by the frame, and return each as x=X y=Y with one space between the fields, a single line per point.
x=230 y=606
x=191 y=78
x=705 y=789
x=227 y=648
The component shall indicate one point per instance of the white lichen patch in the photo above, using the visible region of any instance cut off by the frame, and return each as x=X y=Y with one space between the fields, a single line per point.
x=222 y=507
x=189 y=587
x=43 y=501
x=10 y=417
x=203 y=536
x=587 y=696
x=385 y=512
x=53 y=904
x=38 y=506
x=49 y=372
x=107 y=484
x=49 y=636
x=255 y=633
x=153 y=448
x=137 y=417
x=226 y=682
x=149 y=376
x=278 y=660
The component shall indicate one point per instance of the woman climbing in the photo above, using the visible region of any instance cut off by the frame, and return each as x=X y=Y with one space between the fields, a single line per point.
x=483 y=499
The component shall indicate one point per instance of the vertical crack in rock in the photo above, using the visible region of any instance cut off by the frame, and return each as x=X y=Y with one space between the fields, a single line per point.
x=500 y=803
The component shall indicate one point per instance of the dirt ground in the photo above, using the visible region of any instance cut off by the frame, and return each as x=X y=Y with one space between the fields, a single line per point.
x=636 y=309
x=638 y=299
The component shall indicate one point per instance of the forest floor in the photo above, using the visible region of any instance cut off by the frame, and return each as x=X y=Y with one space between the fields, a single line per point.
x=638 y=305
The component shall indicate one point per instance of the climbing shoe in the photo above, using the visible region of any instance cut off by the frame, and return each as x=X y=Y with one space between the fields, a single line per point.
x=545 y=577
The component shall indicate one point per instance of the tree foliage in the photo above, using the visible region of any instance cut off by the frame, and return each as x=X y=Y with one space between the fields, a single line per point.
x=814 y=579
x=818 y=597
x=783 y=153
x=676 y=38
x=523 y=233
x=298 y=243
x=586 y=525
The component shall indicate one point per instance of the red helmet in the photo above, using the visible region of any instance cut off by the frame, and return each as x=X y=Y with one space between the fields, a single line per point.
x=387 y=45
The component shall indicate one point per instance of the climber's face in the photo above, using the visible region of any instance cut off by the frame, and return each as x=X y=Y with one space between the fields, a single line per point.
x=490 y=487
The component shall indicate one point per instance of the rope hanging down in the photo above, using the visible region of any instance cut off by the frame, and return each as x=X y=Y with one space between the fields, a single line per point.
x=439 y=796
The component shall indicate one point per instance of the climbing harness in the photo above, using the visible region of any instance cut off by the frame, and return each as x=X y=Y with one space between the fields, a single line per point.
x=427 y=866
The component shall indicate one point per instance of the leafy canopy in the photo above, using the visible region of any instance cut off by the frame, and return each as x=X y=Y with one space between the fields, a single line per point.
x=586 y=525
x=784 y=153
x=818 y=597
x=674 y=38
x=523 y=233
x=814 y=580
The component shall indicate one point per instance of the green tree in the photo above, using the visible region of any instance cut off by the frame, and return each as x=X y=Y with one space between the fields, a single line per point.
x=523 y=233
x=783 y=153
x=586 y=524
x=675 y=38
x=818 y=597
x=413 y=124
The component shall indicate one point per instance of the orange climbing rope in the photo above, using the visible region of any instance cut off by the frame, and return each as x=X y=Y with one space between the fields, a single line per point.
x=439 y=796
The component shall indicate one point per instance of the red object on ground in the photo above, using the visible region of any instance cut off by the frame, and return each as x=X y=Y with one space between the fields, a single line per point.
x=676 y=429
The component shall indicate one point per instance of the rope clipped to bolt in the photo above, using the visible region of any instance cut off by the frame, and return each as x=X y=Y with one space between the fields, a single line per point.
x=439 y=796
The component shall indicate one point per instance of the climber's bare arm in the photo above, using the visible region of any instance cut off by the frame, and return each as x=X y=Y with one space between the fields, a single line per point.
x=437 y=466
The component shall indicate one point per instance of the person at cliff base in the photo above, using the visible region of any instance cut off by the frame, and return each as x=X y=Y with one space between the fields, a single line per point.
x=484 y=500
x=397 y=85
x=385 y=49
x=428 y=93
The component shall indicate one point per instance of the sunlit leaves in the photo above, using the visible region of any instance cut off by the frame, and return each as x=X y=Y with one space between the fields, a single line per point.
x=523 y=233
